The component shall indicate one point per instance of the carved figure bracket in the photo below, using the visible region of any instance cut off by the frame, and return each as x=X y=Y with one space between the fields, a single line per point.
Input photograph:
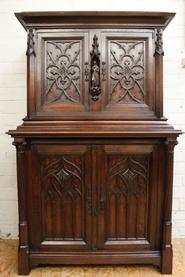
x=95 y=89
x=30 y=44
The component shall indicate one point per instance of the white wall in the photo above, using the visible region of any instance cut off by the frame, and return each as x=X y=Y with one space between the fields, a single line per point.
x=13 y=91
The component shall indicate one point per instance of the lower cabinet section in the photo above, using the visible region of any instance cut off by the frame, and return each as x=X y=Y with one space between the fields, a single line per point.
x=60 y=190
x=95 y=201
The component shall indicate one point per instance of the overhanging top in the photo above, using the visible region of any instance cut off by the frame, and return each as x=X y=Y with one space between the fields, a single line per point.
x=94 y=19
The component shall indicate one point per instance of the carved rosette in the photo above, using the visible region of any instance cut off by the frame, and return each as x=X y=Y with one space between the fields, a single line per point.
x=159 y=43
x=30 y=43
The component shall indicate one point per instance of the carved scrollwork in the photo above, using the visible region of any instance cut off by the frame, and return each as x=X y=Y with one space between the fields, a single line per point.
x=30 y=44
x=63 y=71
x=95 y=89
x=159 y=43
x=127 y=70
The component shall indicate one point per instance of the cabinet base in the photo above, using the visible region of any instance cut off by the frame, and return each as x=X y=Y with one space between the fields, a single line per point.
x=35 y=259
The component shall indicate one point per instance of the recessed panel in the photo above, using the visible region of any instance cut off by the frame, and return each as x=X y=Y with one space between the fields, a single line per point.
x=61 y=82
x=63 y=73
x=129 y=90
x=127 y=71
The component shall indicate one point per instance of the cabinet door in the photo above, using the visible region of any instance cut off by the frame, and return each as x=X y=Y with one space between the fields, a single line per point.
x=59 y=197
x=61 y=89
x=129 y=62
x=130 y=197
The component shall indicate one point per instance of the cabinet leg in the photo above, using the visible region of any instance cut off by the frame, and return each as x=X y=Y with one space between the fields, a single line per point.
x=23 y=261
x=166 y=263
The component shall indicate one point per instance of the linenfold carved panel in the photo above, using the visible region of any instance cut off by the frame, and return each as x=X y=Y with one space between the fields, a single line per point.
x=63 y=196
x=127 y=186
x=127 y=71
x=63 y=74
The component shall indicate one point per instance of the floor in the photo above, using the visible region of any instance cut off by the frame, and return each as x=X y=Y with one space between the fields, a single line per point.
x=8 y=265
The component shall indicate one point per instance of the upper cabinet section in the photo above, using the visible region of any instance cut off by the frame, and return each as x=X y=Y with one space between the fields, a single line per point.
x=95 y=65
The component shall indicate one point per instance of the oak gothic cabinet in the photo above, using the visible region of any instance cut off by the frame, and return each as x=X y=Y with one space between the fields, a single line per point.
x=95 y=153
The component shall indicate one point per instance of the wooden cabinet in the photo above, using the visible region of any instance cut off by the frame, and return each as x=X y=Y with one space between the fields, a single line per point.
x=95 y=153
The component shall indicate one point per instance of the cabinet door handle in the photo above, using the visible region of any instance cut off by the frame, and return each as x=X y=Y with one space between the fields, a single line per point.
x=95 y=89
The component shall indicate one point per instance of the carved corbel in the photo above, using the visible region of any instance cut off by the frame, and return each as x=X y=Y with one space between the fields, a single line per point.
x=20 y=145
x=159 y=43
x=30 y=43
x=170 y=144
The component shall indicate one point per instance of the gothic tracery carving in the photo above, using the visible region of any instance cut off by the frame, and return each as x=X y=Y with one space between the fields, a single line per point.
x=62 y=177
x=127 y=71
x=63 y=71
x=132 y=174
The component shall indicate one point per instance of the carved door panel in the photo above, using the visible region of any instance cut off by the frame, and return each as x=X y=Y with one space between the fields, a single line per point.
x=129 y=69
x=130 y=197
x=61 y=73
x=60 y=197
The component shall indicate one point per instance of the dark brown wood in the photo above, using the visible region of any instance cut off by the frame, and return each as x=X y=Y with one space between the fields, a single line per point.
x=23 y=252
x=167 y=252
x=95 y=153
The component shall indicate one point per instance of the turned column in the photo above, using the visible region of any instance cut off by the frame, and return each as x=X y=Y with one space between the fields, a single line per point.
x=23 y=253
x=167 y=252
